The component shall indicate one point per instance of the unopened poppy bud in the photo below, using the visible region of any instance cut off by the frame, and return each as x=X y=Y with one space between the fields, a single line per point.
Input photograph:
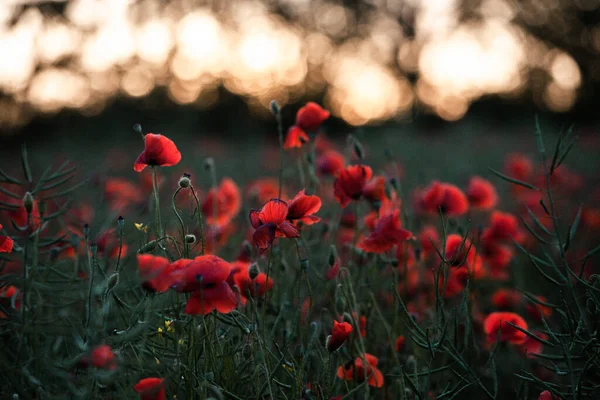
x=120 y=222
x=94 y=249
x=184 y=181
x=148 y=247
x=253 y=271
x=332 y=255
x=340 y=332
x=138 y=128
x=189 y=238
x=86 y=231
x=112 y=281
x=209 y=164
x=359 y=150
x=28 y=202
x=304 y=264
x=275 y=108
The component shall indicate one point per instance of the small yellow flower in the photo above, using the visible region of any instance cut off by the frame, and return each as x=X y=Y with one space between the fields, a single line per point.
x=157 y=361
x=141 y=227
x=170 y=326
x=288 y=366
x=180 y=341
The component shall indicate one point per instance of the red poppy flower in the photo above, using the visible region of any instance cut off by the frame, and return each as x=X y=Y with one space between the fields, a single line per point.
x=497 y=321
x=442 y=196
x=351 y=182
x=387 y=234
x=429 y=238
x=240 y=276
x=362 y=325
x=518 y=166
x=158 y=151
x=8 y=292
x=203 y=272
x=103 y=357
x=295 y=137
x=219 y=297
x=228 y=202
x=151 y=389
x=399 y=345
x=121 y=193
x=330 y=163
x=340 y=333
x=503 y=226
x=506 y=299
x=374 y=190
x=311 y=116
x=6 y=243
x=271 y=222
x=302 y=208
x=361 y=371
x=482 y=194
x=546 y=395
x=153 y=272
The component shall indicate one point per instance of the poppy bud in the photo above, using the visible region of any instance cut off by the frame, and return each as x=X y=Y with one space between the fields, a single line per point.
x=304 y=264
x=120 y=222
x=253 y=271
x=274 y=107
x=28 y=202
x=359 y=150
x=86 y=231
x=112 y=281
x=209 y=164
x=94 y=249
x=184 y=181
x=138 y=128
x=189 y=238
x=332 y=255
x=148 y=247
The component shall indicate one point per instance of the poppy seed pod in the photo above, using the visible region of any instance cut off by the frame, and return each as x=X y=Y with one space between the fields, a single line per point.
x=184 y=181
x=189 y=238
x=304 y=264
x=28 y=202
x=138 y=128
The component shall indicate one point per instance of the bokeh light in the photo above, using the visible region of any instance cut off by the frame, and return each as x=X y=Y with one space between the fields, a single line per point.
x=370 y=65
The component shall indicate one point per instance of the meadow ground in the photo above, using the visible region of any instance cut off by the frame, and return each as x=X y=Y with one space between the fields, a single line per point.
x=408 y=269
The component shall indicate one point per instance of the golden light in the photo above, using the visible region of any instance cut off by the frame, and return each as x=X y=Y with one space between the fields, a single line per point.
x=565 y=72
x=54 y=88
x=154 y=41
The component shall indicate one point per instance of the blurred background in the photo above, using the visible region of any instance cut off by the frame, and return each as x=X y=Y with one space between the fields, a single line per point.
x=71 y=66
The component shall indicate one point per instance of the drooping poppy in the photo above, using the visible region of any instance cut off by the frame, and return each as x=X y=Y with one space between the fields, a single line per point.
x=481 y=194
x=387 y=233
x=340 y=333
x=497 y=321
x=351 y=182
x=303 y=207
x=103 y=357
x=153 y=272
x=6 y=243
x=158 y=151
x=311 y=116
x=151 y=388
x=357 y=368
x=270 y=222
x=222 y=204
x=295 y=138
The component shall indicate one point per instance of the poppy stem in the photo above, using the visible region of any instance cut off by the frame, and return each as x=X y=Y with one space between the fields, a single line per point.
x=157 y=222
x=183 y=230
x=200 y=220
x=264 y=310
